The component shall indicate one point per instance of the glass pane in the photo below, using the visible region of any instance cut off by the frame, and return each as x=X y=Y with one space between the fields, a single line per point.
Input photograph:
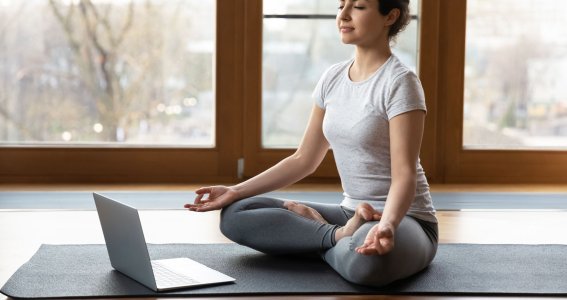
x=283 y=7
x=107 y=72
x=515 y=75
x=295 y=54
x=325 y=7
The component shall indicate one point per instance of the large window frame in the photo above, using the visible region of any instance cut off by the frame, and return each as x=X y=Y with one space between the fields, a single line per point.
x=53 y=164
x=442 y=74
x=256 y=157
x=238 y=87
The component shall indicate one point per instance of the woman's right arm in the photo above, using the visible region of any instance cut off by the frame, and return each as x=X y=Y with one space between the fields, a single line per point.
x=293 y=168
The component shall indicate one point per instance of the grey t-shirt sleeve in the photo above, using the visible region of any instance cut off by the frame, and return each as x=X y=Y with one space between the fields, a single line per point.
x=318 y=94
x=406 y=94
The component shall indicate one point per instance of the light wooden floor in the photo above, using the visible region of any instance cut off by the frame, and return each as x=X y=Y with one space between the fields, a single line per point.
x=22 y=232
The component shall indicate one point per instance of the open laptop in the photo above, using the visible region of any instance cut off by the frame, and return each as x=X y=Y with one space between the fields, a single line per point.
x=129 y=254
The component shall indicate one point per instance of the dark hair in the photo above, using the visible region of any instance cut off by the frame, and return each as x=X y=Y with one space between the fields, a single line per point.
x=386 y=6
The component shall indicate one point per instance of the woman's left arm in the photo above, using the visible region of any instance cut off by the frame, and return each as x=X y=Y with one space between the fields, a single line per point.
x=406 y=131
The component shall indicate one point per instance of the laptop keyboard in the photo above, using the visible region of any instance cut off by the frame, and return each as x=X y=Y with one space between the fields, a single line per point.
x=167 y=277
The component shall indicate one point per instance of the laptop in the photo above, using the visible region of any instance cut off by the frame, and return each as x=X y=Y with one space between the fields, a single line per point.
x=129 y=254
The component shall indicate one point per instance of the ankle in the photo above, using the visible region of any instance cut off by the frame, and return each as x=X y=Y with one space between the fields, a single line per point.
x=339 y=234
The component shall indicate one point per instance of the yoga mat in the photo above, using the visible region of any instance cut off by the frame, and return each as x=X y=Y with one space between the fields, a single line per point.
x=176 y=199
x=58 y=271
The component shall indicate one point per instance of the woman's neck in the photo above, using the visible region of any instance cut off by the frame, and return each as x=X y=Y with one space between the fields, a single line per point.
x=367 y=60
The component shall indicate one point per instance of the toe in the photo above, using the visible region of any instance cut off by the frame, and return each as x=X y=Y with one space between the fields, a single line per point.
x=289 y=204
x=365 y=211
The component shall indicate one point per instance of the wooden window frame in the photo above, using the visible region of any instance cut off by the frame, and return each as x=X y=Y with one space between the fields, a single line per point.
x=443 y=62
x=257 y=158
x=238 y=89
x=47 y=164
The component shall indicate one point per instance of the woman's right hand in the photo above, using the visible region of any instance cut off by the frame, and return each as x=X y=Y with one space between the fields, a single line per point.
x=219 y=197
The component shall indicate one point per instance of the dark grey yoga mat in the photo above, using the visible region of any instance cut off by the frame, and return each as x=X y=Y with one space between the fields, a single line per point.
x=59 y=271
x=176 y=199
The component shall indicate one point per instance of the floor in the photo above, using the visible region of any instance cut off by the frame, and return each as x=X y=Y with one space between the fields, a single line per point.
x=25 y=231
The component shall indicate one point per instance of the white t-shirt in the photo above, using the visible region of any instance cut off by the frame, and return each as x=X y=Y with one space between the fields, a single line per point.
x=356 y=124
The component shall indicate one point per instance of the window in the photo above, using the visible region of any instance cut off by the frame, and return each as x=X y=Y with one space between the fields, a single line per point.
x=178 y=153
x=300 y=41
x=283 y=38
x=484 y=94
x=515 y=74
x=101 y=72
x=250 y=87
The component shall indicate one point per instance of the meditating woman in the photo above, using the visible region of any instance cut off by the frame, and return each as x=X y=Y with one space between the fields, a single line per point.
x=371 y=111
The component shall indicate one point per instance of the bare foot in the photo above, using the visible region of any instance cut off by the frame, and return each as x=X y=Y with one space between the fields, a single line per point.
x=305 y=211
x=363 y=213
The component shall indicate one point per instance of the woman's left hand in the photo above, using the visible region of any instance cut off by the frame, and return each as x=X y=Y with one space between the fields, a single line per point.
x=379 y=240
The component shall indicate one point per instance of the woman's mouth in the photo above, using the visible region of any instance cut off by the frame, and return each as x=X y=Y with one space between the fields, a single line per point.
x=345 y=29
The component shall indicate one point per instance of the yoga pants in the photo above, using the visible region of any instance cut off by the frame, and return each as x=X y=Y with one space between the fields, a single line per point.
x=264 y=224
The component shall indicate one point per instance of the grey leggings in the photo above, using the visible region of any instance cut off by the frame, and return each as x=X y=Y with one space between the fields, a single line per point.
x=264 y=224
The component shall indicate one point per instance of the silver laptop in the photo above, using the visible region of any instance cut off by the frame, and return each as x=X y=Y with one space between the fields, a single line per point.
x=129 y=254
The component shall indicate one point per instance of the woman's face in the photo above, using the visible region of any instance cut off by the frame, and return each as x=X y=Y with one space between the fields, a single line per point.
x=361 y=24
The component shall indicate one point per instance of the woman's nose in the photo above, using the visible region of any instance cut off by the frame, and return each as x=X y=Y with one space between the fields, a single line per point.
x=344 y=14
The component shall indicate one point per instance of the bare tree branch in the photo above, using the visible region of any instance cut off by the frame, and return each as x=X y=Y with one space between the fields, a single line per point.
x=103 y=53
x=103 y=20
x=127 y=24
x=66 y=22
x=82 y=57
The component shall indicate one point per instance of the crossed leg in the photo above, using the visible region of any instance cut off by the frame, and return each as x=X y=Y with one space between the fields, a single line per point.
x=275 y=226
x=267 y=225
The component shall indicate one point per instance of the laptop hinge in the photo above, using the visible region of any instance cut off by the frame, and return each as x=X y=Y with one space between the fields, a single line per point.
x=240 y=168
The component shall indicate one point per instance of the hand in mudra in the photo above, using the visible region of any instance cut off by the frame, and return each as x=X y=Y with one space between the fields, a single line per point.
x=218 y=197
x=379 y=240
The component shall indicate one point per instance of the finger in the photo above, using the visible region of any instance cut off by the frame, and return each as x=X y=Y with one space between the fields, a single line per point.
x=192 y=206
x=204 y=190
x=209 y=206
x=368 y=252
x=188 y=205
x=203 y=207
x=204 y=201
x=375 y=246
x=196 y=205
x=367 y=243
x=196 y=208
x=362 y=249
x=375 y=250
x=363 y=246
x=369 y=240
x=384 y=246
x=198 y=198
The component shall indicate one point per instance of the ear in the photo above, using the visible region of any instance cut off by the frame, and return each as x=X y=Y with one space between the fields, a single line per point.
x=392 y=16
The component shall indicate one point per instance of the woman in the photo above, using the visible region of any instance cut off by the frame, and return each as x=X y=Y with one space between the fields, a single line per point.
x=371 y=111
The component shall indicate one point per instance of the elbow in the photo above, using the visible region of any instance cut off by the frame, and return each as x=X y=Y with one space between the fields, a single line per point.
x=312 y=170
x=305 y=163
x=405 y=175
